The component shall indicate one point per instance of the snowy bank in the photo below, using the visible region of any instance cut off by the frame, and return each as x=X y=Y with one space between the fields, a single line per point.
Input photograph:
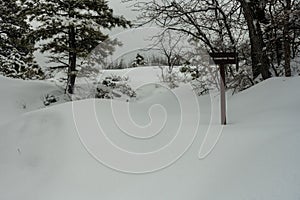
x=256 y=157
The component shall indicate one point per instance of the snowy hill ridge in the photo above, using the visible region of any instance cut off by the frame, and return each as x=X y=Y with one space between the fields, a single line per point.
x=19 y=96
x=42 y=157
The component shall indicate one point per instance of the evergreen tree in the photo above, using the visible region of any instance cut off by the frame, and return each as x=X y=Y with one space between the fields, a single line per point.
x=71 y=29
x=139 y=60
x=16 y=49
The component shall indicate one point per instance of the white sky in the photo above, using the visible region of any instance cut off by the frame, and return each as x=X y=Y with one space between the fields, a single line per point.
x=132 y=39
x=122 y=9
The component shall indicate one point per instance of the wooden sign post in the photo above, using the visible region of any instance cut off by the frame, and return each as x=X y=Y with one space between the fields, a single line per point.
x=222 y=59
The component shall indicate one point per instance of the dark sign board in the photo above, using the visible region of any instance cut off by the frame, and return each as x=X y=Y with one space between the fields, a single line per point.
x=223 y=58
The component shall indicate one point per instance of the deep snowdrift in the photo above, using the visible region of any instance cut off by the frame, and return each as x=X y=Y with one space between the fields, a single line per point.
x=19 y=96
x=256 y=157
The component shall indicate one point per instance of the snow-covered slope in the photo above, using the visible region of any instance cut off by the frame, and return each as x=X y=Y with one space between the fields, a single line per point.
x=137 y=76
x=18 y=96
x=43 y=154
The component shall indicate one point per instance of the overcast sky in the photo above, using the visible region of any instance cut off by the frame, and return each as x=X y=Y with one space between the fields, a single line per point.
x=122 y=9
x=132 y=39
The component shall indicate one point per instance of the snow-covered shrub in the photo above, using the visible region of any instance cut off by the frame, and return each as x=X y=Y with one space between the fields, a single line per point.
x=170 y=77
x=193 y=72
x=202 y=78
x=241 y=80
x=49 y=99
x=139 y=61
x=103 y=92
x=112 y=87
x=57 y=96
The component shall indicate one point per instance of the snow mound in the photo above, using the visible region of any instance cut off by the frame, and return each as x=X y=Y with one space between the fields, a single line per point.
x=19 y=96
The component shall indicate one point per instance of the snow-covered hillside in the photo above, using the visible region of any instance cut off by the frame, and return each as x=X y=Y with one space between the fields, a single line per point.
x=49 y=153
x=18 y=96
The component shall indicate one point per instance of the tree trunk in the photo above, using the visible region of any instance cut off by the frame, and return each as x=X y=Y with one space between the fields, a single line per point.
x=72 y=61
x=260 y=61
x=287 y=41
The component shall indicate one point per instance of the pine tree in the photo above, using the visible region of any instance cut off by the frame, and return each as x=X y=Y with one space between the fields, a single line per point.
x=16 y=49
x=72 y=29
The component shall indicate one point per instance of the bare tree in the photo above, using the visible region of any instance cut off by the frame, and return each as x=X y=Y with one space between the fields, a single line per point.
x=232 y=25
x=212 y=22
x=286 y=36
x=254 y=15
x=281 y=33
x=217 y=25
x=172 y=47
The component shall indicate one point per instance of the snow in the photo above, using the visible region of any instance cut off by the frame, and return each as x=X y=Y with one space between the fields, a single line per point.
x=18 y=96
x=52 y=153
x=137 y=76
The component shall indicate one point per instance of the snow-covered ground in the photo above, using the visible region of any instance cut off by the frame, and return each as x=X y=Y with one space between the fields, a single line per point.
x=53 y=153
x=18 y=96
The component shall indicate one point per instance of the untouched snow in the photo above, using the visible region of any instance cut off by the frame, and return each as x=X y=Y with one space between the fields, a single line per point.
x=18 y=96
x=137 y=76
x=256 y=157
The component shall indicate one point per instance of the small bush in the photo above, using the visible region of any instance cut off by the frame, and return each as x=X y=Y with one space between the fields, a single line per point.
x=49 y=99
x=112 y=87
